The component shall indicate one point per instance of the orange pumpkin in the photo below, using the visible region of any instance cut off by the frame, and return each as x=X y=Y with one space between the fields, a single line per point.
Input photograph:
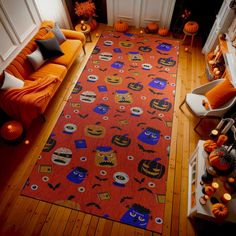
x=93 y=24
x=152 y=27
x=220 y=211
x=163 y=31
x=209 y=145
x=121 y=26
x=191 y=27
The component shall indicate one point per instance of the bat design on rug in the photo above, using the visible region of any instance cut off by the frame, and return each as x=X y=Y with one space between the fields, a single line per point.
x=141 y=123
x=115 y=127
x=145 y=150
x=151 y=75
x=93 y=204
x=101 y=179
x=102 y=69
x=117 y=115
x=125 y=198
x=54 y=187
x=129 y=77
x=140 y=42
x=139 y=181
x=156 y=117
x=151 y=112
x=70 y=197
x=157 y=93
x=164 y=71
x=83 y=116
x=145 y=189
x=159 y=67
x=120 y=111
x=162 y=53
x=96 y=185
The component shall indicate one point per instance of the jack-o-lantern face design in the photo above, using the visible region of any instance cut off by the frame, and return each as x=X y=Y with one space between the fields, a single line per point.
x=158 y=83
x=160 y=104
x=135 y=56
x=105 y=156
x=145 y=49
x=164 y=47
x=113 y=79
x=126 y=44
x=77 y=88
x=95 y=131
x=166 y=61
x=135 y=86
x=121 y=140
x=96 y=50
x=123 y=97
x=151 y=168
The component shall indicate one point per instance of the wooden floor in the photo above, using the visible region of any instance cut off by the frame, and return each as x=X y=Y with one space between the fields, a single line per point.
x=21 y=215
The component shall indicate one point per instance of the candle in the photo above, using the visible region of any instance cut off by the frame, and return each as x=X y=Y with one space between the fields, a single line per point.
x=215 y=185
x=221 y=140
x=141 y=31
x=226 y=197
x=84 y=27
x=82 y=22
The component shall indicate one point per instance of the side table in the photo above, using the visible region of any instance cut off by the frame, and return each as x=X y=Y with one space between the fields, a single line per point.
x=86 y=32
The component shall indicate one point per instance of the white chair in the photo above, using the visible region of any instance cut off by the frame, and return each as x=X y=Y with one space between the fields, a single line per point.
x=194 y=99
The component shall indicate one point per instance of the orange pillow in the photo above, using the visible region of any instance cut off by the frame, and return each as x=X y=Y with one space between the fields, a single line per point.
x=221 y=94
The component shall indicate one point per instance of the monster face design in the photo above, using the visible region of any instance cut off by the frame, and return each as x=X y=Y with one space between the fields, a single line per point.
x=137 y=216
x=108 y=43
x=135 y=86
x=105 y=56
x=113 y=80
x=145 y=49
x=105 y=156
x=92 y=78
x=77 y=175
x=120 y=179
x=166 y=47
x=96 y=50
x=136 y=111
x=158 y=83
x=151 y=168
x=135 y=56
x=123 y=97
x=77 y=88
x=117 y=64
x=95 y=131
x=126 y=44
x=101 y=109
x=70 y=128
x=62 y=156
x=149 y=136
x=147 y=66
x=166 y=61
x=160 y=104
x=88 y=96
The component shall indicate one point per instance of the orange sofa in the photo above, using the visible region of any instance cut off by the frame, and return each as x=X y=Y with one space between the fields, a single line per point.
x=29 y=102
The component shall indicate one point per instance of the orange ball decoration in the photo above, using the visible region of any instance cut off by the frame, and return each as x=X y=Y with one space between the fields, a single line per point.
x=11 y=130
x=191 y=27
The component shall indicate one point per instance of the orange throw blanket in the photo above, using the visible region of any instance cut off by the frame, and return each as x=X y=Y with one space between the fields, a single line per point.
x=29 y=102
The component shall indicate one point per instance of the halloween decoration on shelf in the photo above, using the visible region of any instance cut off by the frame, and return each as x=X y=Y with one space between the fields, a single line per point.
x=209 y=145
x=121 y=26
x=220 y=211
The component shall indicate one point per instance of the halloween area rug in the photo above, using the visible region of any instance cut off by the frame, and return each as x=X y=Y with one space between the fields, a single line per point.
x=108 y=152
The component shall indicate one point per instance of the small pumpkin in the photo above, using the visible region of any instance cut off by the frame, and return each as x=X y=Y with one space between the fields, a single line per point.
x=121 y=26
x=93 y=24
x=152 y=28
x=209 y=145
x=163 y=31
x=208 y=190
x=191 y=27
x=220 y=211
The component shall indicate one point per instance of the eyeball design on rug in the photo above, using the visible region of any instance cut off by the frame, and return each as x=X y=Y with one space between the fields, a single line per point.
x=136 y=111
x=151 y=168
x=146 y=66
x=123 y=97
x=113 y=79
x=120 y=178
x=96 y=50
x=126 y=44
x=166 y=47
x=92 y=78
x=135 y=86
x=50 y=144
x=88 y=96
x=145 y=49
x=160 y=104
x=149 y=136
x=62 y=156
x=166 y=61
x=70 y=128
x=121 y=140
x=158 y=83
x=105 y=56
x=137 y=216
x=117 y=64
x=105 y=156
x=108 y=43
x=101 y=109
x=135 y=56
x=77 y=175
x=77 y=88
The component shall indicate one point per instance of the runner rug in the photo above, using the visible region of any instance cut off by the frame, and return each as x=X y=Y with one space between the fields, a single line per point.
x=108 y=152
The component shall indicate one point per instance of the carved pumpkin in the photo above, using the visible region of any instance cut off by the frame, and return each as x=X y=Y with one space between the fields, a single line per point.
x=95 y=131
x=121 y=140
x=191 y=27
x=163 y=31
x=209 y=145
x=151 y=168
x=220 y=211
x=220 y=159
x=121 y=26
x=152 y=27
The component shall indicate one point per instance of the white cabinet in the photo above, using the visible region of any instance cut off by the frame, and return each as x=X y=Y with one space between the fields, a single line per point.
x=139 y=13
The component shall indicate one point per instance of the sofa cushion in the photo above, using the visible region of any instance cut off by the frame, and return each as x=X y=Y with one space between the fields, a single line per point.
x=10 y=81
x=36 y=59
x=58 y=34
x=49 y=48
x=71 y=49
x=49 y=68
